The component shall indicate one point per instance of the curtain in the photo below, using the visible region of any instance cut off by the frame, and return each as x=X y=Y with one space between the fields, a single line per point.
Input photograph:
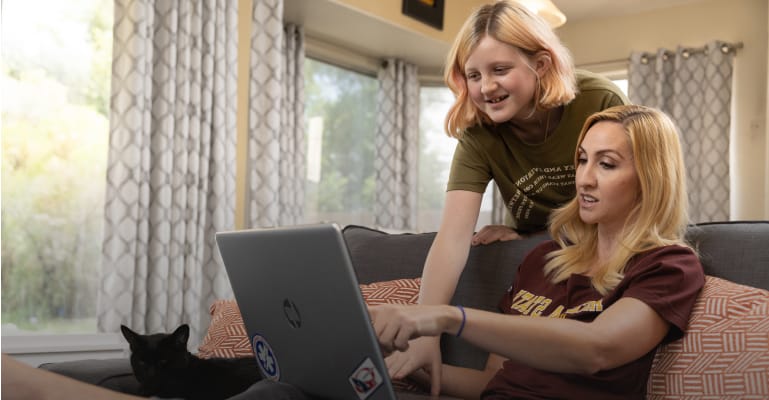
x=276 y=143
x=499 y=209
x=694 y=87
x=171 y=163
x=397 y=146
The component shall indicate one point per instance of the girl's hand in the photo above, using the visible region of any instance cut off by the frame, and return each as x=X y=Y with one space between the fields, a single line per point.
x=492 y=233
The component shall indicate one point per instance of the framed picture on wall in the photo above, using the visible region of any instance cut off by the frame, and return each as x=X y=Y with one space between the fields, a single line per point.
x=429 y=12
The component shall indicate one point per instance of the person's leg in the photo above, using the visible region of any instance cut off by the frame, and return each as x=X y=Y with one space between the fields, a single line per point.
x=21 y=381
x=266 y=389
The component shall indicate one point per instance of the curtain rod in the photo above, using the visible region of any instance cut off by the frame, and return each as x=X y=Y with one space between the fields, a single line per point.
x=725 y=48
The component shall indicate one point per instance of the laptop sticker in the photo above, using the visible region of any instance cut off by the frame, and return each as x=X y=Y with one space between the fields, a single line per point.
x=266 y=359
x=365 y=379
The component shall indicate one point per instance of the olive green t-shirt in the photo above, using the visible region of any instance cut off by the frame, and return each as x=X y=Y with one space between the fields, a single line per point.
x=532 y=178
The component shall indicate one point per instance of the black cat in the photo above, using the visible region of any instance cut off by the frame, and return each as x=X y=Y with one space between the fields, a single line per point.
x=165 y=368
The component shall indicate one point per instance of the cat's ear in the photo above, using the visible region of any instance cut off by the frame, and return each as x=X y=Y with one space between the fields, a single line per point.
x=128 y=334
x=181 y=334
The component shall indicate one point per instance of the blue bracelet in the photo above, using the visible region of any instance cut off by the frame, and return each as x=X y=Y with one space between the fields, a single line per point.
x=464 y=318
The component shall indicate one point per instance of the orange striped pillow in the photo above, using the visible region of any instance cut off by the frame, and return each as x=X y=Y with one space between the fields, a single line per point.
x=725 y=351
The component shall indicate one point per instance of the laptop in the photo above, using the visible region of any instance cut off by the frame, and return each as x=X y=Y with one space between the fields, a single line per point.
x=304 y=313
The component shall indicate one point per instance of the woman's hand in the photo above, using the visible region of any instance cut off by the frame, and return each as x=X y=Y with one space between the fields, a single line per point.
x=396 y=326
x=492 y=233
x=423 y=355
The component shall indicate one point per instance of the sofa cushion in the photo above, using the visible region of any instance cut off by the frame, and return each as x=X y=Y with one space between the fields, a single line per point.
x=226 y=336
x=734 y=250
x=114 y=373
x=725 y=352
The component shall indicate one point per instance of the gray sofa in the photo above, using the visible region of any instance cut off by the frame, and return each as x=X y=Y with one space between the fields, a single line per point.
x=735 y=251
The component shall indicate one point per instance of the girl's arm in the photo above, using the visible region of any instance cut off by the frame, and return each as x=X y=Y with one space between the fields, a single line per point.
x=443 y=266
x=448 y=253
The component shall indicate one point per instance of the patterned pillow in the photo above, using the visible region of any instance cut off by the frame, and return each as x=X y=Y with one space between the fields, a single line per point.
x=226 y=336
x=725 y=352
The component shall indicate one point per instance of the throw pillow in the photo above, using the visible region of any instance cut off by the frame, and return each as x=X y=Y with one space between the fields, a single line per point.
x=226 y=336
x=725 y=352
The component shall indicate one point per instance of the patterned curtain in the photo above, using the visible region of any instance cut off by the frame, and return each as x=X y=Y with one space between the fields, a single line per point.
x=171 y=171
x=694 y=87
x=276 y=142
x=499 y=209
x=397 y=146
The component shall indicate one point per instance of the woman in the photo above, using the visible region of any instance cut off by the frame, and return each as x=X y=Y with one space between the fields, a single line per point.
x=616 y=281
x=518 y=111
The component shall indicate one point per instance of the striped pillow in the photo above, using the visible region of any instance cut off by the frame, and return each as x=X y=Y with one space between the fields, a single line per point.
x=725 y=351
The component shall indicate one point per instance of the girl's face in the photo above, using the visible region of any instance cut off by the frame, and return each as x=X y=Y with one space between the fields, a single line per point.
x=606 y=177
x=501 y=80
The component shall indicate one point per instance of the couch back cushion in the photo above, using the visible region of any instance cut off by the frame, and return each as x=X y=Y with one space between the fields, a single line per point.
x=737 y=251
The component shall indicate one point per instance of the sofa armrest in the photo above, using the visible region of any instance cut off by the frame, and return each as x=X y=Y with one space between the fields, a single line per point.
x=115 y=373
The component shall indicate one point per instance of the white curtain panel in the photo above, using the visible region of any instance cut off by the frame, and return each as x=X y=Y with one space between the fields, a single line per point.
x=171 y=168
x=397 y=146
x=499 y=209
x=694 y=87
x=276 y=143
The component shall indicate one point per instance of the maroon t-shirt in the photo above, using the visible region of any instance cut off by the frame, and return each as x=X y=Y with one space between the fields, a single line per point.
x=668 y=279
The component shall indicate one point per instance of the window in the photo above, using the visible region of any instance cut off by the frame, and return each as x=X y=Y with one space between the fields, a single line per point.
x=436 y=151
x=55 y=84
x=622 y=84
x=340 y=118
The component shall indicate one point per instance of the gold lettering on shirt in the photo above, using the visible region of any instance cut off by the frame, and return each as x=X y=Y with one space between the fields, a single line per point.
x=527 y=303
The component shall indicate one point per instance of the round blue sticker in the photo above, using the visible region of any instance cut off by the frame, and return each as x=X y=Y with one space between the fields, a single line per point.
x=266 y=359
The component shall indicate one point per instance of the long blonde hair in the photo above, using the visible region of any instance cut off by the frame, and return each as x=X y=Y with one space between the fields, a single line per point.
x=508 y=22
x=658 y=219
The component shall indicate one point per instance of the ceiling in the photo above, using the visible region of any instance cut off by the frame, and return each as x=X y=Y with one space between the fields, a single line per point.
x=339 y=25
x=577 y=10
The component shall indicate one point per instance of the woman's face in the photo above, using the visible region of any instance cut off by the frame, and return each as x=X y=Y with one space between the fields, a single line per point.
x=500 y=80
x=606 y=177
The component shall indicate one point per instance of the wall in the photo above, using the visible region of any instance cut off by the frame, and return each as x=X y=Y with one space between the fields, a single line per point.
x=694 y=25
x=455 y=13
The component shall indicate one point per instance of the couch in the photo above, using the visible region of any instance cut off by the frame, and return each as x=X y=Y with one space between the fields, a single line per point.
x=725 y=353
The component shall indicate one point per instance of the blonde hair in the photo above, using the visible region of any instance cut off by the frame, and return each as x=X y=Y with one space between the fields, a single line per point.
x=658 y=219
x=508 y=22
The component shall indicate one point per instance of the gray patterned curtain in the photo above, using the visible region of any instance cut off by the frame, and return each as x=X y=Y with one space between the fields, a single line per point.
x=276 y=143
x=694 y=87
x=498 y=207
x=171 y=168
x=397 y=146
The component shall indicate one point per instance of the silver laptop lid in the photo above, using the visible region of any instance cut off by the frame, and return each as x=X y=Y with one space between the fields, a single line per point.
x=303 y=310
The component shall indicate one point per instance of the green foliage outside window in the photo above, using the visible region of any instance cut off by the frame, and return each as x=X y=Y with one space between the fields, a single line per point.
x=55 y=127
x=346 y=101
